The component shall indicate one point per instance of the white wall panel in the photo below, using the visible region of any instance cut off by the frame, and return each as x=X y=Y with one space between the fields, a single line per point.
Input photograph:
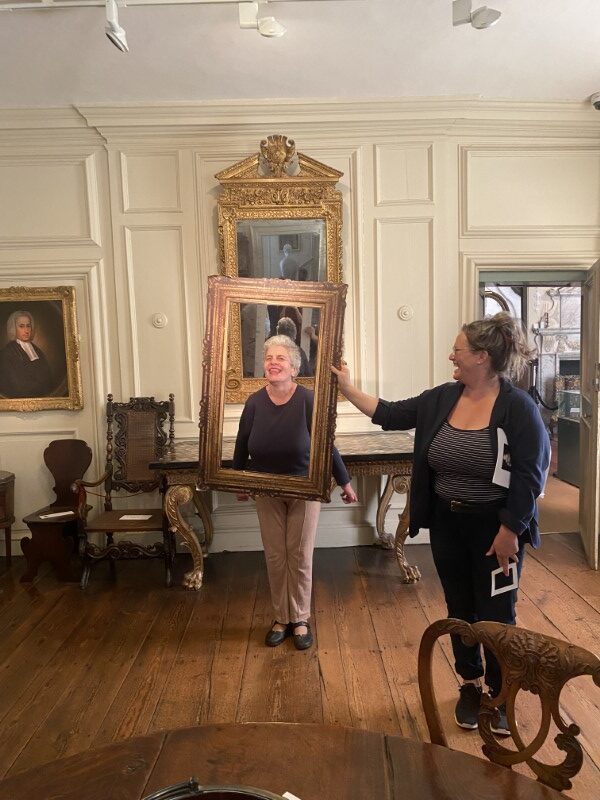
x=24 y=436
x=403 y=174
x=150 y=182
x=48 y=200
x=429 y=201
x=524 y=191
x=157 y=286
x=404 y=267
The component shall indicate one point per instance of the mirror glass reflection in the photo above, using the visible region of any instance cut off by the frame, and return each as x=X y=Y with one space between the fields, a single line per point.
x=259 y=322
x=276 y=248
x=277 y=419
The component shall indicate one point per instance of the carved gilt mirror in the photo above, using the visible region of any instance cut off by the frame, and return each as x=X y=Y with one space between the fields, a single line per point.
x=280 y=217
x=227 y=297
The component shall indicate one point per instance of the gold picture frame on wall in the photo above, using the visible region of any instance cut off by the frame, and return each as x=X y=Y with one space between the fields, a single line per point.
x=39 y=349
x=279 y=217
x=225 y=296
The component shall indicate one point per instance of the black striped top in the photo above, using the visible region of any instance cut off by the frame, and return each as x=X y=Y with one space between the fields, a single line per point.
x=463 y=463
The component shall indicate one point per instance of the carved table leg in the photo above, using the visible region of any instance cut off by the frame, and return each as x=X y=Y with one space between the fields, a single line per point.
x=384 y=539
x=203 y=510
x=410 y=574
x=175 y=496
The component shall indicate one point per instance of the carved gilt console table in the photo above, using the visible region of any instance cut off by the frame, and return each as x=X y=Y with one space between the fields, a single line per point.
x=375 y=453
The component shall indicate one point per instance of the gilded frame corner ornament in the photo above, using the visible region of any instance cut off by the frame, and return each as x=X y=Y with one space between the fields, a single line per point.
x=275 y=184
x=224 y=295
x=55 y=318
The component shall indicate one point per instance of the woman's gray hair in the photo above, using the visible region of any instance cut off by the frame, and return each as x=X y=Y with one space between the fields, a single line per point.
x=287 y=327
x=503 y=339
x=290 y=346
x=11 y=324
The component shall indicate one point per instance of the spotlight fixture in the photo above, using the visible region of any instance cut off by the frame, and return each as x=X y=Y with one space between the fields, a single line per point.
x=483 y=17
x=113 y=30
x=258 y=15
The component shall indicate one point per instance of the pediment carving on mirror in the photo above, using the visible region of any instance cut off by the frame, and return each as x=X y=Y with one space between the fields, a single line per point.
x=279 y=216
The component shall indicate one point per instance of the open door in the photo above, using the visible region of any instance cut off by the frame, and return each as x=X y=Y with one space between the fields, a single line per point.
x=589 y=496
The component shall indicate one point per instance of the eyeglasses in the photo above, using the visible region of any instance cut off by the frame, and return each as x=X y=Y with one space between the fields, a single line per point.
x=456 y=350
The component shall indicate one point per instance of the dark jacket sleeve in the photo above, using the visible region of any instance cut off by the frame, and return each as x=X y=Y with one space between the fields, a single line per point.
x=340 y=473
x=400 y=415
x=240 y=453
x=529 y=447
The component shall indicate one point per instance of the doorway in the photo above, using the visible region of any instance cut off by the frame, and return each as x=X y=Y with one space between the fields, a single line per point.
x=549 y=307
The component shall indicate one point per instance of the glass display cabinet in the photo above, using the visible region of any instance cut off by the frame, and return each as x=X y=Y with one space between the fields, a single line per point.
x=569 y=411
x=569 y=403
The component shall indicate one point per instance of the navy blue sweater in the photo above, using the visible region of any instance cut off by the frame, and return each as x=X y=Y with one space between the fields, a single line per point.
x=276 y=438
x=527 y=457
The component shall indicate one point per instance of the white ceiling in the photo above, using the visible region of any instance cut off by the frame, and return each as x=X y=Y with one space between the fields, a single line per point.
x=539 y=50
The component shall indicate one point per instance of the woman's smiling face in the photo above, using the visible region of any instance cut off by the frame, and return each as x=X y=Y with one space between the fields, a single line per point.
x=278 y=366
x=465 y=360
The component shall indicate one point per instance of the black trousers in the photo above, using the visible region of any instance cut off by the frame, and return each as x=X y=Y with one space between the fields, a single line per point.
x=459 y=543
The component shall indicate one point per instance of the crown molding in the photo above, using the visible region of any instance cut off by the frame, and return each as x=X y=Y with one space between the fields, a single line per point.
x=222 y=112
x=445 y=115
x=28 y=118
x=420 y=116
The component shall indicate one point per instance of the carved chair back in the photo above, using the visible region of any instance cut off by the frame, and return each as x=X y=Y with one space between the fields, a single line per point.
x=67 y=460
x=136 y=436
x=530 y=662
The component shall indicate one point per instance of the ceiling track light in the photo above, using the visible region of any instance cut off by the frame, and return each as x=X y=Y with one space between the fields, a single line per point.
x=113 y=30
x=258 y=15
x=483 y=17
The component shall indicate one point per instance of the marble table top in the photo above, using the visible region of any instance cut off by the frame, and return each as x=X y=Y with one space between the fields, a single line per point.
x=354 y=448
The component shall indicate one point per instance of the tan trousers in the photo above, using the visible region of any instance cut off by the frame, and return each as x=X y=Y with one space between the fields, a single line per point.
x=288 y=529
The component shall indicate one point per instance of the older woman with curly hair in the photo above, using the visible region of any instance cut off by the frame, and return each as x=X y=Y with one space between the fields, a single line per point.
x=274 y=436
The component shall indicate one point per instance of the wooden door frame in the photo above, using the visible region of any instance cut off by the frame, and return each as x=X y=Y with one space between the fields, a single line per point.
x=473 y=267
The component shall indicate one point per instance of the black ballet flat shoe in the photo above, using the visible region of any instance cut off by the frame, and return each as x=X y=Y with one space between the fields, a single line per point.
x=273 y=637
x=302 y=641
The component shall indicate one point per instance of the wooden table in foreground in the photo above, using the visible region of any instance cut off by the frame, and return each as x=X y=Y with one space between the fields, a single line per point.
x=313 y=762
x=374 y=453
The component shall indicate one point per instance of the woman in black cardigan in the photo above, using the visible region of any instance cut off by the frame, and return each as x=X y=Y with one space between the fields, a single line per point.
x=480 y=463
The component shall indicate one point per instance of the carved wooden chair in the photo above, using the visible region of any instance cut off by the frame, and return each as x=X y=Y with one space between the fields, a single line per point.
x=54 y=527
x=531 y=662
x=135 y=436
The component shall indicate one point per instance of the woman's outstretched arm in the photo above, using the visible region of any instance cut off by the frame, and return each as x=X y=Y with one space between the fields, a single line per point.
x=364 y=402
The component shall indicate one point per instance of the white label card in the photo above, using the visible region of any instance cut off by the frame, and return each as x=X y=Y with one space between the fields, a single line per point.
x=57 y=514
x=136 y=517
x=512 y=576
x=501 y=475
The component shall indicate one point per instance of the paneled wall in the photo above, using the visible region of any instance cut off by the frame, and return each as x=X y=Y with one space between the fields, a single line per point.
x=121 y=203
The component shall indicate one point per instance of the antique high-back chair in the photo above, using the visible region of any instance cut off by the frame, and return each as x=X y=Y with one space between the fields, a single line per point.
x=530 y=662
x=135 y=437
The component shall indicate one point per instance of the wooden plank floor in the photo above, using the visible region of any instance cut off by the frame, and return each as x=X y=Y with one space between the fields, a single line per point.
x=125 y=658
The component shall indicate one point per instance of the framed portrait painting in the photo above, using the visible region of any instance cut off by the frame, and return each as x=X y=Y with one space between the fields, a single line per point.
x=39 y=349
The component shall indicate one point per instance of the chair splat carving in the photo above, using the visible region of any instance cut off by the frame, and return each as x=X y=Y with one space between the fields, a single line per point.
x=135 y=436
x=529 y=662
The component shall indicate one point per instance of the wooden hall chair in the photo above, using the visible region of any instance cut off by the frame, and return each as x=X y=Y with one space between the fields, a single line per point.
x=135 y=436
x=531 y=662
x=54 y=527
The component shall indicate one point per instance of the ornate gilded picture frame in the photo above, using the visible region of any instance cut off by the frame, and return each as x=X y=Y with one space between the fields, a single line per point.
x=280 y=217
x=227 y=297
x=39 y=349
